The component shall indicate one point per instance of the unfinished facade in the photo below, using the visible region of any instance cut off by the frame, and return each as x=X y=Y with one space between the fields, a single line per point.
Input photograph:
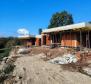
x=27 y=41
x=75 y=35
x=38 y=40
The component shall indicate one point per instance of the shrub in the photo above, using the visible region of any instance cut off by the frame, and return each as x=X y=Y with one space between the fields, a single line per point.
x=5 y=54
x=9 y=68
x=5 y=73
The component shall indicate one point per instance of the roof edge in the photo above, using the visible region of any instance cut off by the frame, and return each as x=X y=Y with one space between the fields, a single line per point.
x=68 y=27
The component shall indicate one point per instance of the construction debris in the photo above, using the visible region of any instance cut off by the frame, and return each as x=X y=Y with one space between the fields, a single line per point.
x=87 y=70
x=65 y=59
x=32 y=68
x=23 y=51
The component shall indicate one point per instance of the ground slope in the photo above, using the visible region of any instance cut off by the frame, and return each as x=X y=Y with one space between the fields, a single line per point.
x=33 y=70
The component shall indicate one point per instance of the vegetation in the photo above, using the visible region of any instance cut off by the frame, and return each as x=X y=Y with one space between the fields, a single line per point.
x=5 y=73
x=40 y=30
x=61 y=19
x=3 y=41
x=5 y=53
x=6 y=44
x=90 y=22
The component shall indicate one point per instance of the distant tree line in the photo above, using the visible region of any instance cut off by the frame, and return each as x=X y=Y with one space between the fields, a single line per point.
x=6 y=45
x=6 y=42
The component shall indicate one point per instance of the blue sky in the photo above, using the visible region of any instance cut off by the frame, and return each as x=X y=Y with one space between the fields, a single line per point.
x=35 y=14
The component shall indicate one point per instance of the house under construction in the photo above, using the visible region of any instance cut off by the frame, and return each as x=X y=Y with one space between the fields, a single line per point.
x=27 y=41
x=30 y=40
x=75 y=35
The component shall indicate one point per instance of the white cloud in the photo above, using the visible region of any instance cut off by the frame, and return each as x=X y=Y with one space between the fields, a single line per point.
x=23 y=32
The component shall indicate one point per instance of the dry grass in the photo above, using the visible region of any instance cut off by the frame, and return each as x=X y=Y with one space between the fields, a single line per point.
x=49 y=53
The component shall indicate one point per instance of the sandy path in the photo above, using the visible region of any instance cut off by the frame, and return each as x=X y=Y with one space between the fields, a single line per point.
x=34 y=70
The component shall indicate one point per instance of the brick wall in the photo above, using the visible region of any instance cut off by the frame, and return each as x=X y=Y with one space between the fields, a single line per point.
x=48 y=41
x=38 y=42
x=29 y=44
x=69 y=40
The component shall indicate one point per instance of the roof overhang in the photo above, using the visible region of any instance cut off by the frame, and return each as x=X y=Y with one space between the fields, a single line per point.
x=38 y=36
x=82 y=26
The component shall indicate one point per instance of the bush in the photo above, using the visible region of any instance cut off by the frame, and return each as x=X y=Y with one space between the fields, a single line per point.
x=2 y=78
x=5 y=54
x=5 y=72
x=9 y=68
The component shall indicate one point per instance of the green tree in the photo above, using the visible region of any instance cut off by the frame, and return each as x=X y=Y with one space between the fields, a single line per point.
x=12 y=41
x=61 y=19
x=40 y=30
x=90 y=22
x=3 y=42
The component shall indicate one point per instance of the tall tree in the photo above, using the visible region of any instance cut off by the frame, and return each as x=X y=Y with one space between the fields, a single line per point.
x=61 y=19
x=40 y=30
x=90 y=22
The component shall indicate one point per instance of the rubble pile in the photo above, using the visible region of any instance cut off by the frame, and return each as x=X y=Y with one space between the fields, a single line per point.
x=65 y=59
x=23 y=51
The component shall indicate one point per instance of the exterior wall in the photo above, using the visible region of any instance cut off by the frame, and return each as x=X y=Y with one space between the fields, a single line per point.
x=29 y=44
x=45 y=40
x=48 y=41
x=66 y=40
x=69 y=40
x=38 y=42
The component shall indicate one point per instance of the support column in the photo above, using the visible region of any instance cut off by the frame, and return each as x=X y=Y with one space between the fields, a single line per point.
x=53 y=38
x=70 y=39
x=56 y=37
x=60 y=40
x=41 y=39
x=88 y=40
x=80 y=40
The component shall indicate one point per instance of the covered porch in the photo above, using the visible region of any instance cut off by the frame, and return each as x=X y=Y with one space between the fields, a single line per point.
x=76 y=35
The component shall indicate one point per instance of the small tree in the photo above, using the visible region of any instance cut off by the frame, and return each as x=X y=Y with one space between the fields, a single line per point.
x=40 y=30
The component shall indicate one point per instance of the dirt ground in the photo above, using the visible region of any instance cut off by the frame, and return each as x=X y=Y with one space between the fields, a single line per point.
x=34 y=70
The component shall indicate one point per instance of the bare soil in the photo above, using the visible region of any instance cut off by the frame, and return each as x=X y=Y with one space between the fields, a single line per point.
x=34 y=70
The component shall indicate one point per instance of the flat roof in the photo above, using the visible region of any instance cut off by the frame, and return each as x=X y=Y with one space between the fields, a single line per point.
x=82 y=25
x=26 y=37
x=38 y=36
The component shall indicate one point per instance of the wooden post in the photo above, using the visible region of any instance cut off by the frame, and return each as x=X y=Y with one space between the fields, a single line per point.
x=41 y=39
x=88 y=40
x=70 y=39
x=53 y=37
x=60 y=40
x=56 y=37
x=80 y=40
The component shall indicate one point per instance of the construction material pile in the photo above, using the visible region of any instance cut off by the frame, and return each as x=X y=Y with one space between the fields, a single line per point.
x=65 y=59
x=23 y=51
